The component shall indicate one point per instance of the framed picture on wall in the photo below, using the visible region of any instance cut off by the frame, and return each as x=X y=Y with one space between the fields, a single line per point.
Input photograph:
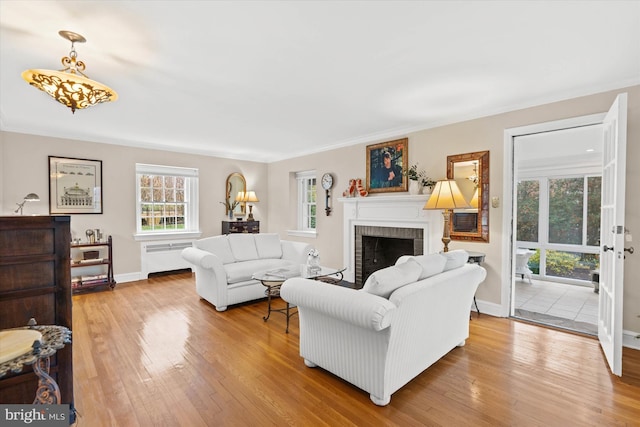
x=75 y=186
x=386 y=163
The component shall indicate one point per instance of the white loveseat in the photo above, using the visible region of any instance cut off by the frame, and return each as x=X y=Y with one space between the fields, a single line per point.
x=224 y=264
x=403 y=320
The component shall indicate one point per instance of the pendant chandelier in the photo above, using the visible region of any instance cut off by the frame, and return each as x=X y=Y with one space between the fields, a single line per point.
x=474 y=177
x=70 y=86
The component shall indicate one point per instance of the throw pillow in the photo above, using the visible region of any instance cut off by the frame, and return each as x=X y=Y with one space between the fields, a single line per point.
x=431 y=264
x=455 y=259
x=383 y=282
x=268 y=245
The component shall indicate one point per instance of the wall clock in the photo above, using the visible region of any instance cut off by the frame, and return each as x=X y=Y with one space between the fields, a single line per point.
x=327 y=183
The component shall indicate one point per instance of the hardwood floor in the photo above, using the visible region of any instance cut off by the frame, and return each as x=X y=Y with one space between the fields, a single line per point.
x=151 y=353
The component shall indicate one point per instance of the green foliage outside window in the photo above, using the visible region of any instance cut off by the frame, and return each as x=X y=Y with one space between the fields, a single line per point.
x=528 y=207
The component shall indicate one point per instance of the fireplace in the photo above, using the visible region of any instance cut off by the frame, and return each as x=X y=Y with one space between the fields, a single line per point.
x=379 y=229
x=379 y=247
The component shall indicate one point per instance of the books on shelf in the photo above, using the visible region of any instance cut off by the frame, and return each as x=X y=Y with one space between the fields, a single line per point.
x=82 y=279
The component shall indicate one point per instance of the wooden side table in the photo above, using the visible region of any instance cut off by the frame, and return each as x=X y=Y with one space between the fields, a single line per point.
x=476 y=258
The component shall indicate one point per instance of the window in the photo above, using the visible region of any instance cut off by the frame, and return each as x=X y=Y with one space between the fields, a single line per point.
x=559 y=217
x=167 y=200
x=306 y=182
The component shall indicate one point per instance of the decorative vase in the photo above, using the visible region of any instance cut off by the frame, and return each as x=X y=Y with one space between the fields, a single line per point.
x=414 y=187
x=427 y=190
x=231 y=214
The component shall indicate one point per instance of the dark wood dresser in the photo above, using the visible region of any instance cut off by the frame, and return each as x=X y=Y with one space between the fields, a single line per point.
x=229 y=227
x=35 y=282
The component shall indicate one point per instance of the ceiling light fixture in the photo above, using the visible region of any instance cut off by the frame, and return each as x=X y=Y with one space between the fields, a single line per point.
x=70 y=86
x=474 y=177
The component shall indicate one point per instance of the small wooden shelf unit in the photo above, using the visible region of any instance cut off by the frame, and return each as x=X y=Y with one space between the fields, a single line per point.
x=81 y=281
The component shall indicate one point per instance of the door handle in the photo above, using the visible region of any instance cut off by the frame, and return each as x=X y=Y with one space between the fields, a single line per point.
x=606 y=248
x=630 y=250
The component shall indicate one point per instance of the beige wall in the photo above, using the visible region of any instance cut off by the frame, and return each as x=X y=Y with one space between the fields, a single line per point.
x=430 y=149
x=25 y=169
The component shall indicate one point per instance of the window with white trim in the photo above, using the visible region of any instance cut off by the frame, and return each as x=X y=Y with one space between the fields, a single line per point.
x=306 y=201
x=167 y=200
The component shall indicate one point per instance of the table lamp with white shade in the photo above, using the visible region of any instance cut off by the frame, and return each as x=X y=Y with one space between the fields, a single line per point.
x=446 y=196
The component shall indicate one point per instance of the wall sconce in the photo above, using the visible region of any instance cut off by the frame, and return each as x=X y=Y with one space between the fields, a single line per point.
x=31 y=197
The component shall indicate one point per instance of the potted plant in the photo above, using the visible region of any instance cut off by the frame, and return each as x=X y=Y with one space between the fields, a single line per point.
x=230 y=207
x=414 y=177
x=427 y=183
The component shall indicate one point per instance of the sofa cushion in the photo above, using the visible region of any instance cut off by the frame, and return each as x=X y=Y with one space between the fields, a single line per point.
x=431 y=264
x=383 y=282
x=455 y=259
x=268 y=245
x=219 y=246
x=243 y=247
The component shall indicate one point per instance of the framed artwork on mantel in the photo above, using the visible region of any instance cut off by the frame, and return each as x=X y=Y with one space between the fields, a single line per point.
x=75 y=186
x=386 y=162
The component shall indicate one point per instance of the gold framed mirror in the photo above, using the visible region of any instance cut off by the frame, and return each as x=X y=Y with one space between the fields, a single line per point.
x=235 y=184
x=471 y=173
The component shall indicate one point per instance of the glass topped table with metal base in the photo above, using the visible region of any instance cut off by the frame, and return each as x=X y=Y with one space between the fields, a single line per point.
x=274 y=278
x=33 y=345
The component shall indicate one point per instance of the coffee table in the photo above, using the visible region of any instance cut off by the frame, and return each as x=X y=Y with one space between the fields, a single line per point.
x=274 y=278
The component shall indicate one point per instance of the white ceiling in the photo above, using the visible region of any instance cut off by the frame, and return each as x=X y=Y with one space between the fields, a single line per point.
x=268 y=80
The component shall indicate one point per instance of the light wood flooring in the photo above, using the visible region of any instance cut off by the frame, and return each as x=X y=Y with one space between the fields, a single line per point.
x=151 y=353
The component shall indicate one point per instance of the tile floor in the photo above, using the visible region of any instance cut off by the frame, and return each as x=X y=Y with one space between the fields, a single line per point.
x=568 y=306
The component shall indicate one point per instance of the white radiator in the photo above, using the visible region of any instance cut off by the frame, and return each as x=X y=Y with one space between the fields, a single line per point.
x=160 y=256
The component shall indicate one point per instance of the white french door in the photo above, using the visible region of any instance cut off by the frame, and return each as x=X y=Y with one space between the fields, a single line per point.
x=612 y=234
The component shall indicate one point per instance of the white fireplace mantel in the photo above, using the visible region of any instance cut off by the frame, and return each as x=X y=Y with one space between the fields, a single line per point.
x=404 y=211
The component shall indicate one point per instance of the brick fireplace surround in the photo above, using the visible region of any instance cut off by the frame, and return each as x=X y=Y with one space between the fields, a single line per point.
x=398 y=218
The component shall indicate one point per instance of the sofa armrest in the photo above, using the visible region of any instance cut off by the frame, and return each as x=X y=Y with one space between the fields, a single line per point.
x=295 y=251
x=200 y=258
x=349 y=305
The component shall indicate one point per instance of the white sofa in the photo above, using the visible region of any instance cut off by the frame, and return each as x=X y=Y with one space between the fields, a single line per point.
x=224 y=264
x=403 y=320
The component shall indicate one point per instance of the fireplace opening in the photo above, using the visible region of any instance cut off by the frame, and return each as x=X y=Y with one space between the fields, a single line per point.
x=380 y=247
x=381 y=252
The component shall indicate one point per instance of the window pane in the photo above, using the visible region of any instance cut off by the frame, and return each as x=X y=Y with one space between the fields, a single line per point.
x=146 y=215
x=565 y=210
x=528 y=207
x=169 y=195
x=145 y=194
x=571 y=265
x=594 y=188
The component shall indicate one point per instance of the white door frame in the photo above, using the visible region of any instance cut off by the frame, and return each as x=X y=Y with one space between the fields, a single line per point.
x=507 y=305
